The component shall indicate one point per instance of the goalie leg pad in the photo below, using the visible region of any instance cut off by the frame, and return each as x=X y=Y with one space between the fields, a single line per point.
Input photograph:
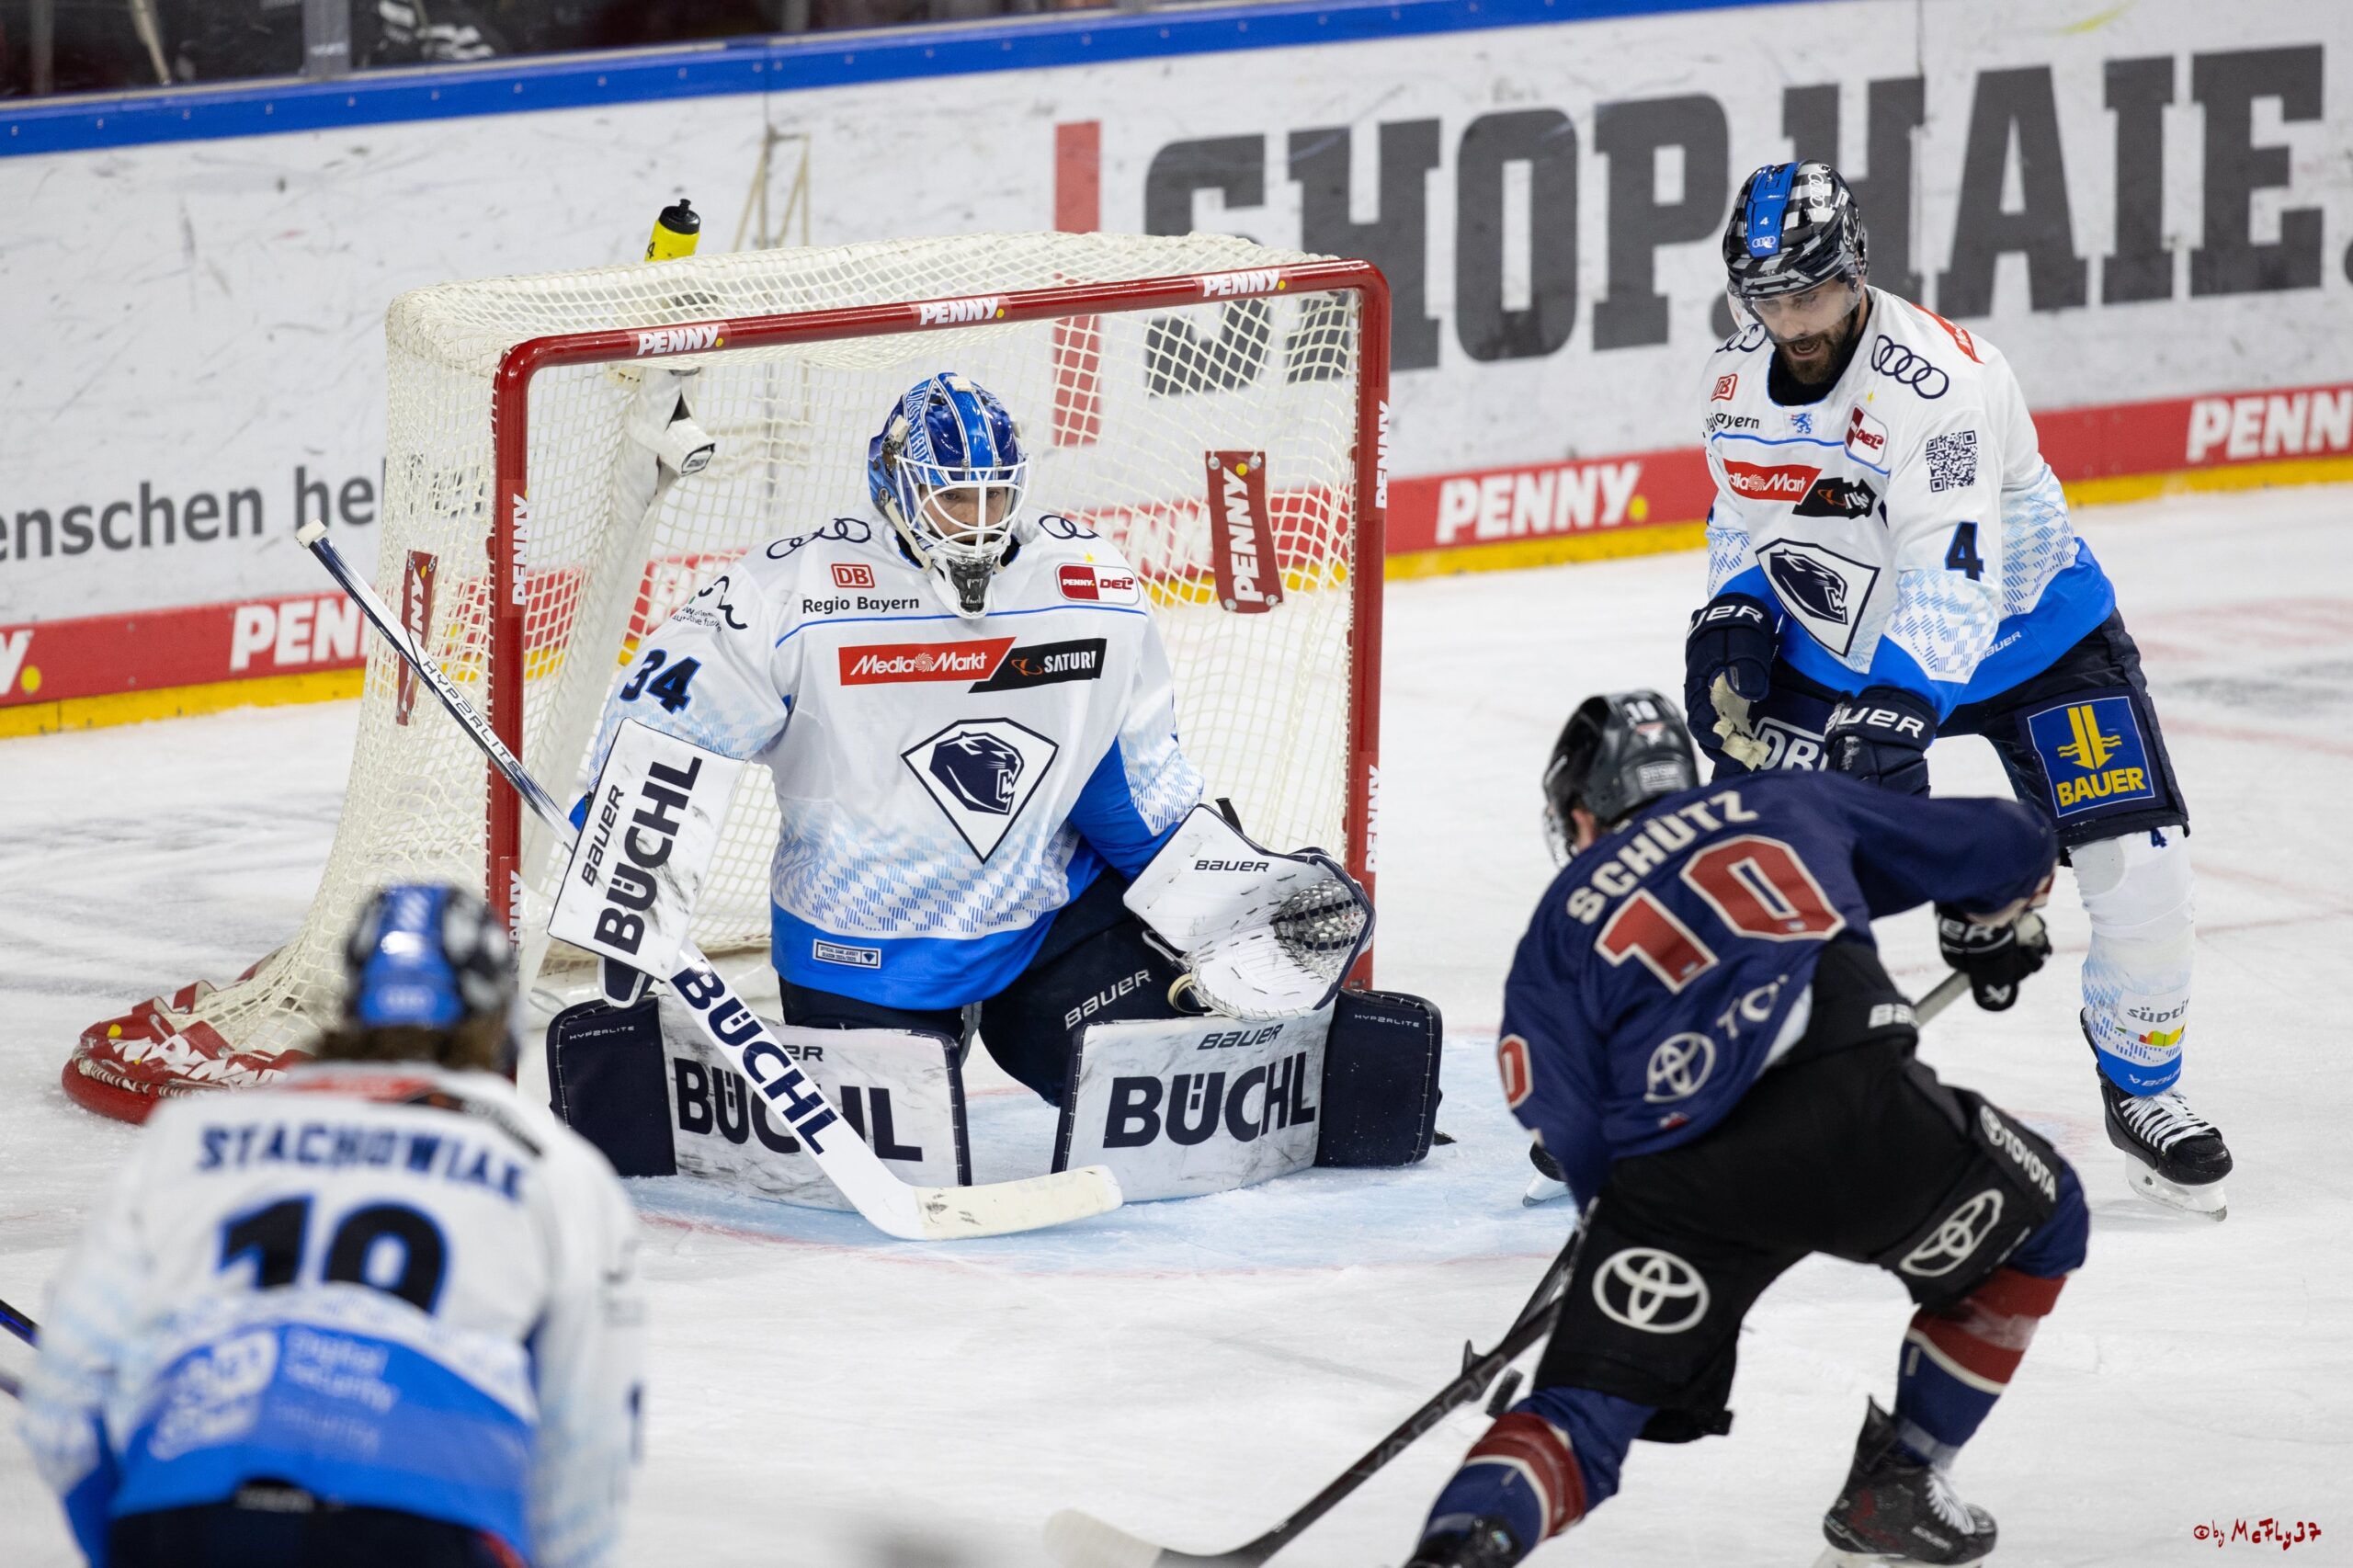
x=645 y=1086
x=1380 y=1093
x=606 y=1078
x=1182 y=1107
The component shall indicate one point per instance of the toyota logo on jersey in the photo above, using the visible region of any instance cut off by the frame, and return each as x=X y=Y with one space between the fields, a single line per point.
x=1956 y=1239
x=1650 y=1289
x=1679 y=1067
x=1899 y=364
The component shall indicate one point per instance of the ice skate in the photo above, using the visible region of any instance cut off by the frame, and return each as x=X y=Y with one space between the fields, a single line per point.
x=1485 y=1543
x=2173 y=1155
x=1899 y=1512
x=1546 y=1185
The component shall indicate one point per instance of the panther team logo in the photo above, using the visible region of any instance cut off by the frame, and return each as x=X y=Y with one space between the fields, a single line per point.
x=982 y=773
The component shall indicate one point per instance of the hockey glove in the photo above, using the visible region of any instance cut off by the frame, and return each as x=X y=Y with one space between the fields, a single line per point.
x=1880 y=736
x=1732 y=639
x=1994 y=957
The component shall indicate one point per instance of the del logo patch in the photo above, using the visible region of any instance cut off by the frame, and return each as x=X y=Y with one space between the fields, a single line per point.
x=2093 y=754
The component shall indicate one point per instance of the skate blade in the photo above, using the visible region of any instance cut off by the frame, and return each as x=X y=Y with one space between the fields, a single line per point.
x=2208 y=1202
x=1838 y=1557
x=1543 y=1189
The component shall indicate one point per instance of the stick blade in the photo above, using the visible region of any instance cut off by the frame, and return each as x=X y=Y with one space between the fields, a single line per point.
x=1006 y=1207
x=1081 y=1540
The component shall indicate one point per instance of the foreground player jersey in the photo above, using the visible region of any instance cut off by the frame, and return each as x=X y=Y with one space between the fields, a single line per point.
x=1904 y=522
x=944 y=785
x=1666 y=960
x=392 y=1284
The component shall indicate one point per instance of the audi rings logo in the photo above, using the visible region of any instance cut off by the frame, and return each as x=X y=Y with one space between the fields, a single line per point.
x=1897 y=363
x=1680 y=1066
x=1953 y=1243
x=1654 y=1291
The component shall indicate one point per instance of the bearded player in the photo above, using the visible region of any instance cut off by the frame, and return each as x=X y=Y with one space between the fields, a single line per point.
x=1890 y=559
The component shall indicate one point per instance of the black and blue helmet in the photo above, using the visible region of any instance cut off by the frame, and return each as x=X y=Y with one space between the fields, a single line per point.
x=948 y=436
x=427 y=957
x=1793 y=226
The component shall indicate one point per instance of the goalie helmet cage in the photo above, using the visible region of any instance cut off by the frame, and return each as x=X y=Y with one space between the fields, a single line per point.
x=1198 y=400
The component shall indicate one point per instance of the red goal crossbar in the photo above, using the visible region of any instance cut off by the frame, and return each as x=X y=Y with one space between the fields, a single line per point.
x=511 y=420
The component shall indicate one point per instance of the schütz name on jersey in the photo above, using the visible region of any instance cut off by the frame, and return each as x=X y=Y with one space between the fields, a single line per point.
x=1648 y=844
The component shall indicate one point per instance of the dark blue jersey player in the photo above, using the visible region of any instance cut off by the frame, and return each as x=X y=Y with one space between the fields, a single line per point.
x=1700 y=1030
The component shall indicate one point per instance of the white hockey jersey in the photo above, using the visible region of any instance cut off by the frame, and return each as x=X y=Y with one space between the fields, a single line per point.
x=392 y=1284
x=945 y=785
x=1904 y=521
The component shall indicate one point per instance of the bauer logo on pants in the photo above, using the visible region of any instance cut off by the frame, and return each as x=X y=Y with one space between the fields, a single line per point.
x=1650 y=1289
x=2093 y=755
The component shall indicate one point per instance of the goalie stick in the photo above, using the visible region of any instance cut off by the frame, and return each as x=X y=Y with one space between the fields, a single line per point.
x=1079 y=1539
x=909 y=1213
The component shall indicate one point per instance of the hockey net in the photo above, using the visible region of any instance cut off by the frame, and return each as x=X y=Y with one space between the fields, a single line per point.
x=1196 y=399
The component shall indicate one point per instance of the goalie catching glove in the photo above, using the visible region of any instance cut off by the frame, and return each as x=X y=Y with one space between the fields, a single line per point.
x=1264 y=935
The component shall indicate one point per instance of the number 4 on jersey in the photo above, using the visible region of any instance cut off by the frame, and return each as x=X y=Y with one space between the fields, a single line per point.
x=1963 y=557
x=1756 y=886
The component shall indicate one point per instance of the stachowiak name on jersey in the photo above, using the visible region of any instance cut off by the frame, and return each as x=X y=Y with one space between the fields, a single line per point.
x=1903 y=520
x=945 y=785
x=395 y=1284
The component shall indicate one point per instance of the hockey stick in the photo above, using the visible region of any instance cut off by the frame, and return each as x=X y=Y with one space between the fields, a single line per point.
x=18 y=1323
x=909 y=1213
x=1079 y=1539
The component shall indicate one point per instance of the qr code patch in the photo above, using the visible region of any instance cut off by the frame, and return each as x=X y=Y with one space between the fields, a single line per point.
x=1952 y=460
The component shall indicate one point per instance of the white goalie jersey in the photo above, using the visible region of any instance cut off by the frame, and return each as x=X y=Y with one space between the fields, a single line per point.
x=945 y=785
x=392 y=1284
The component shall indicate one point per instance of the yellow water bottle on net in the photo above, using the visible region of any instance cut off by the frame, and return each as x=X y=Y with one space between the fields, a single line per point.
x=675 y=232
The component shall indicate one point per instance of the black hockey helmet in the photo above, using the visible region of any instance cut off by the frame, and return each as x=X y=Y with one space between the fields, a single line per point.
x=1793 y=226
x=1616 y=754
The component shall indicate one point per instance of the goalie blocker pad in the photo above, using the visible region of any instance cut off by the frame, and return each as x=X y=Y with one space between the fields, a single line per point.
x=650 y=828
x=642 y=1084
x=1182 y=1107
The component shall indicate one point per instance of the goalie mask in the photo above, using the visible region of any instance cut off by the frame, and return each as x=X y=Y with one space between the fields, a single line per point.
x=947 y=473
x=1616 y=754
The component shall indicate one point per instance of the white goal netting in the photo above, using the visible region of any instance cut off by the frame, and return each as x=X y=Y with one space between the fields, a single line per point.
x=1123 y=413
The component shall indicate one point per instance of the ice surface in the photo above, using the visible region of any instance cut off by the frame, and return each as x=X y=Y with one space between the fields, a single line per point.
x=1194 y=1370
